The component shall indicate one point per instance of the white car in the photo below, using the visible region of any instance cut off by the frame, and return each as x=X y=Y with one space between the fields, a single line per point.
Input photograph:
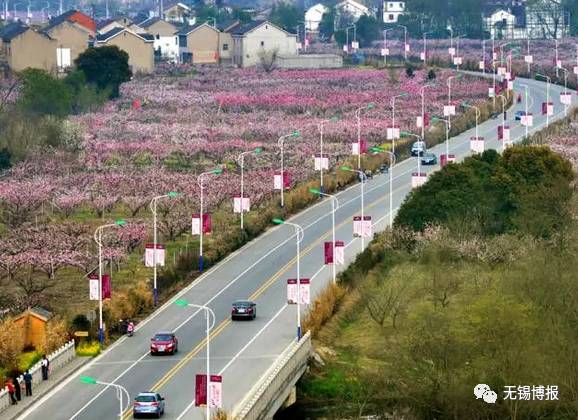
x=418 y=148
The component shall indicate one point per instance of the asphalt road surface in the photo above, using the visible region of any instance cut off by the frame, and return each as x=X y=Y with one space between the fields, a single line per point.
x=242 y=351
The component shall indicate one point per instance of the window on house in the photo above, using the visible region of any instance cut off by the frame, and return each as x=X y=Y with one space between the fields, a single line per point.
x=390 y=5
x=63 y=57
x=158 y=36
x=183 y=41
x=391 y=17
x=401 y=5
x=262 y=43
x=225 y=47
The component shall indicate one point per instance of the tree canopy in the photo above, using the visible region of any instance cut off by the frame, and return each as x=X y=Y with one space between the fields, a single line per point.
x=106 y=67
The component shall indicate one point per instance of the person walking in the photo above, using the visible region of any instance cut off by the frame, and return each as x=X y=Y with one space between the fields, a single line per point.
x=11 y=391
x=28 y=383
x=17 y=389
x=45 y=365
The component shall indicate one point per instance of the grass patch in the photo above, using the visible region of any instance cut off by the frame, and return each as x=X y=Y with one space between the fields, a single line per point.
x=88 y=349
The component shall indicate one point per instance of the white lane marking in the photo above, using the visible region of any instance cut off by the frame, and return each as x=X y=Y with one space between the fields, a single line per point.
x=177 y=359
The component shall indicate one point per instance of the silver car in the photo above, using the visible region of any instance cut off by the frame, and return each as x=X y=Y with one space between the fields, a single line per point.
x=148 y=403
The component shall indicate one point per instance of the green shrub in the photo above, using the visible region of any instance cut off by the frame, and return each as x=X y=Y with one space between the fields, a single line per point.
x=88 y=349
x=28 y=359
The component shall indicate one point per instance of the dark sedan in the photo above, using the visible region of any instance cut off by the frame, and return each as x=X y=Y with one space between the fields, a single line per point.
x=429 y=158
x=244 y=309
x=519 y=114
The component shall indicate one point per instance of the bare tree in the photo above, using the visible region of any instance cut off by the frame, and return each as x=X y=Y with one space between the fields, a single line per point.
x=269 y=59
x=387 y=300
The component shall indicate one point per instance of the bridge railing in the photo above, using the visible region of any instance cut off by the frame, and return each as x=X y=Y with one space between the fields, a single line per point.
x=286 y=370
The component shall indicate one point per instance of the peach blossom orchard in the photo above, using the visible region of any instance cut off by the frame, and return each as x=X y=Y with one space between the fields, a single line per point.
x=186 y=125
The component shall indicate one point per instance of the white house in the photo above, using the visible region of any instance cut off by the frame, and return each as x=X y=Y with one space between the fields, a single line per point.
x=313 y=17
x=166 y=38
x=353 y=8
x=500 y=24
x=392 y=10
x=254 y=38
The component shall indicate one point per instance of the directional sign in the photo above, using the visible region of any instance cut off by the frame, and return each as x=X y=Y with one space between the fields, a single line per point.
x=81 y=333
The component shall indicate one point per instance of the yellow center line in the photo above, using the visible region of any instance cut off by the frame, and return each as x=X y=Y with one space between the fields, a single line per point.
x=173 y=371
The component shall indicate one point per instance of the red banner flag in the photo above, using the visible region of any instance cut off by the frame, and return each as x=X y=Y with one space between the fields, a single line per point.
x=200 y=390
x=105 y=289
x=328 y=252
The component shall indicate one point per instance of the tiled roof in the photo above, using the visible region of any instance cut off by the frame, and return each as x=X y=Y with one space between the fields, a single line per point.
x=12 y=30
x=113 y=32
x=247 y=27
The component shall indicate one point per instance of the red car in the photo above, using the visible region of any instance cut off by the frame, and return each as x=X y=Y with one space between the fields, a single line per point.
x=164 y=342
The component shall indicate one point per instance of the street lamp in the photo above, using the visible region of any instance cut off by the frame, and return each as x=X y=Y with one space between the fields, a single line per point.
x=362 y=176
x=528 y=60
x=565 y=89
x=405 y=46
x=217 y=171
x=548 y=81
x=556 y=59
x=280 y=143
x=241 y=162
x=484 y=56
x=14 y=6
x=422 y=91
x=458 y=50
x=153 y=207
x=320 y=127
x=448 y=125
x=420 y=139
x=478 y=114
x=526 y=106
x=209 y=326
x=425 y=47
x=401 y=95
x=385 y=52
x=334 y=207
x=391 y=165
x=451 y=41
x=503 y=121
x=358 y=116
x=299 y=234
x=120 y=390
x=98 y=240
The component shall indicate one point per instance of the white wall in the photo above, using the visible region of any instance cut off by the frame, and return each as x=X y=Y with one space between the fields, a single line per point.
x=272 y=38
x=313 y=17
x=169 y=46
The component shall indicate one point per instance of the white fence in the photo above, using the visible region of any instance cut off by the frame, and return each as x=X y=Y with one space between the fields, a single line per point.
x=280 y=377
x=57 y=359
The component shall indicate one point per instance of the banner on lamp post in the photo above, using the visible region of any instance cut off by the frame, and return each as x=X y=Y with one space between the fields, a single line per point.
x=529 y=59
x=216 y=390
x=292 y=291
x=527 y=120
x=449 y=110
x=407 y=48
x=106 y=294
x=239 y=205
x=196 y=224
x=357 y=226
x=452 y=51
x=200 y=390
x=576 y=70
x=548 y=108
x=345 y=48
x=565 y=98
x=503 y=133
x=355 y=45
x=422 y=56
x=321 y=162
x=284 y=180
x=328 y=252
x=366 y=227
x=491 y=92
x=305 y=289
x=510 y=85
x=384 y=52
x=299 y=46
x=477 y=144
x=558 y=63
x=339 y=253
x=151 y=258
x=445 y=159
x=418 y=179
x=393 y=133
x=356 y=146
x=93 y=287
x=481 y=65
x=458 y=61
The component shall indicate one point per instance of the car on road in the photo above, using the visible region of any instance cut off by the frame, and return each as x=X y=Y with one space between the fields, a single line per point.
x=148 y=403
x=384 y=168
x=244 y=309
x=519 y=114
x=418 y=148
x=428 y=158
x=365 y=176
x=164 y=342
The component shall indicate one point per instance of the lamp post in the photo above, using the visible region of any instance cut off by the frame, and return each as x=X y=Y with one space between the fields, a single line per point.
x=451 y=40
x=385 y=45
x=548 y=81
x=401 y=95
x=448 y=125
x=478 y=113
x=458 y=49
x=425 y=47
x=217 y=171
x=422 y=91
x=43 y=9
x=391 y=165
x=334 y=207
x=362 y=176
x=528 y=50
x=565 y=88
x=15 y=18
x=281 y=143
x=503 y=121
x=299 y=234
x=241 y=162
x=98 y=240
x=404 y=41
x=358 y=116
x=494 y=68
x=484 y=56
x=120 y=391
x=526 y=106
x=153 y=207
x=556 y=59
x=320 y=127
x=418 y=157
x=209 y=326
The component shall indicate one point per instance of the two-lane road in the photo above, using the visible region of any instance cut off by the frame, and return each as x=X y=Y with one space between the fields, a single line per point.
x=242 y=351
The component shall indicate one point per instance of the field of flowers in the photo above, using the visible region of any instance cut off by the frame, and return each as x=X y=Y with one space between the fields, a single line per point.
x=164 y=131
